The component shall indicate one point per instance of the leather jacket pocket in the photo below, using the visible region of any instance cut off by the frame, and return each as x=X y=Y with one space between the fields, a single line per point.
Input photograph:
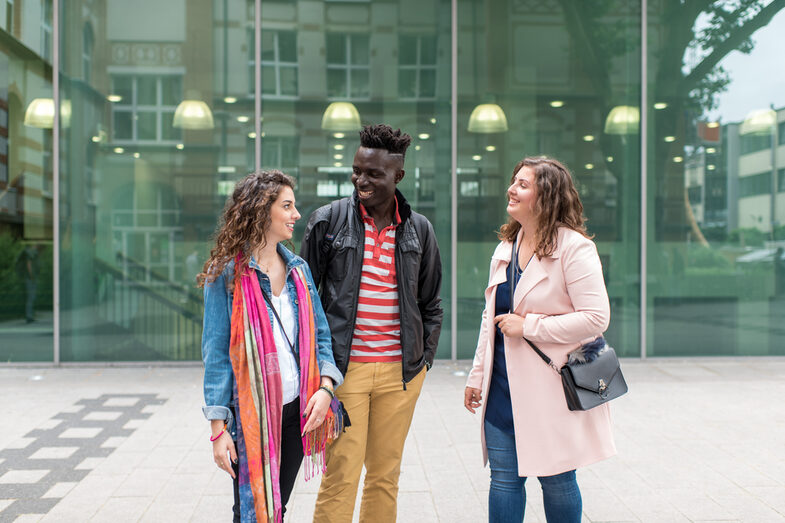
x=340 y=256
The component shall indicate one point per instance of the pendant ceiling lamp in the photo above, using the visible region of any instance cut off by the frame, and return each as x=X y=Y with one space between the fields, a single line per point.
x=488 y=118
x=623 y=119
x=41 y=113
x=193 y=115
x=341 y=116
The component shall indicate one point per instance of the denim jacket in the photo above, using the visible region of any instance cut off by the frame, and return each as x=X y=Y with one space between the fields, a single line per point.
x=218 y=375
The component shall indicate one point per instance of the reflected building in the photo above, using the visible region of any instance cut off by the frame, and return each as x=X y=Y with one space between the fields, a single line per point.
x=162 y=105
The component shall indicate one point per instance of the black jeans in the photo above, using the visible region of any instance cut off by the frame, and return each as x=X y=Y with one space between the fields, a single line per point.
x=291 y=456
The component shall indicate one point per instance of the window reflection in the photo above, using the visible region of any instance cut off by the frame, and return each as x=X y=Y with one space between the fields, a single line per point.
x=26 y=181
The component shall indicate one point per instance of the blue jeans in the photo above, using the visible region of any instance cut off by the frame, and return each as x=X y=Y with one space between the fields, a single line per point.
x=507 y=497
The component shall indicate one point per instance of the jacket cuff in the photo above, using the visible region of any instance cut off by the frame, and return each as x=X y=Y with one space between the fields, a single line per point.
x=212 y=412
x=331 y=371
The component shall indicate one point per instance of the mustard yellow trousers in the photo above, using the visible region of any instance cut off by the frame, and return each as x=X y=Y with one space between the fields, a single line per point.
x=381 y=413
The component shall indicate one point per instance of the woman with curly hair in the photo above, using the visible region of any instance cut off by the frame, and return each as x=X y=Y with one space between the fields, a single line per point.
x=269 y=373
x=546 y=285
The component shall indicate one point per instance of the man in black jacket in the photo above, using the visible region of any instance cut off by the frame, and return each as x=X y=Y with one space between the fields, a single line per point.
x=378 y=268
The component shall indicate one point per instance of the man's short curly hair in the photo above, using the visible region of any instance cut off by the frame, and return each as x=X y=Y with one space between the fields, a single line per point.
x=382 y=136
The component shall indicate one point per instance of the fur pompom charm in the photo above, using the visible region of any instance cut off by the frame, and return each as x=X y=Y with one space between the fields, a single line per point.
x=588 y=351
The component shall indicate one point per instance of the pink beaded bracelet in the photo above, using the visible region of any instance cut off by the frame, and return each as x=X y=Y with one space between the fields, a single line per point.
x=219 y=434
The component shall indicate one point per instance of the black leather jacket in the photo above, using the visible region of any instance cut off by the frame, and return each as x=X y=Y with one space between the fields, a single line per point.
x=336 y=266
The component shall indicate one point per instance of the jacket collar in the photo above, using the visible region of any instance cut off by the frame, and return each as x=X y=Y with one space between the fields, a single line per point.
x=288 y=256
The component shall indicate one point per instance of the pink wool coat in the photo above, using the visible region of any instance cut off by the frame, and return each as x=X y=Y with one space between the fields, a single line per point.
x=564 y=303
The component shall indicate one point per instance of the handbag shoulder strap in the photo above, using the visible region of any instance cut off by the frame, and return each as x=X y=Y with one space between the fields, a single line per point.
x=542 y=355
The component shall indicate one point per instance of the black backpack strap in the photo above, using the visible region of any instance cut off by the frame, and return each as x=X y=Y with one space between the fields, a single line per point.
x=339 y=209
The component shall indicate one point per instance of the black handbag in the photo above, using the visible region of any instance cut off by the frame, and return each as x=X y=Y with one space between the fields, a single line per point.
x=592 y=375
x=590 y=382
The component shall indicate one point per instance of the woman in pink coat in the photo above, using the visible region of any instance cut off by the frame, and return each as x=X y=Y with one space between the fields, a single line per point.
x=559 y=302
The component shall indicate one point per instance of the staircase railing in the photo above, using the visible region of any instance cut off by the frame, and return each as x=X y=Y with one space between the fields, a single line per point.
x=161 y=315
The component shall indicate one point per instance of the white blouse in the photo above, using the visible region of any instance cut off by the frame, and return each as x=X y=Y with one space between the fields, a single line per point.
x=290 y=376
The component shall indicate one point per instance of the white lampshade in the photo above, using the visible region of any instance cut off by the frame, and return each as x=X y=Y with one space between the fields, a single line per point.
x=623 y=119
x=193 y=114
x=760 y=121
x=41 y=113
x=341 y=116
x=488 y=118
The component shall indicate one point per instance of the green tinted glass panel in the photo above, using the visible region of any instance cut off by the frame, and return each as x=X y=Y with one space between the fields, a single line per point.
x=336 y=49
x=288 y=81
x=26 y=186
x=123 y=86
x=268 y=46
x=407 y=83
x=168 y=131
x=171 y=90
x=146 y=90
x=360 y=50
x=146 y=126
x=123 y=125
x=428 y=50
x=137 y=215
x=287 y=46
x=336 y=82
x=407 y=50
x=269 y=79
x=555 y=97
x=428 y=83
x=716 y=283
x=360 y=83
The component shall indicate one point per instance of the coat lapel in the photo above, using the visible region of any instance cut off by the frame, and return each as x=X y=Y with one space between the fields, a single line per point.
x=533 y=275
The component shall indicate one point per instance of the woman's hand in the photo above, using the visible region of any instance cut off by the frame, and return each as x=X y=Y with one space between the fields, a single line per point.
x=223 y=451
x=316 y=410
x=472 y=399
x=511 y=325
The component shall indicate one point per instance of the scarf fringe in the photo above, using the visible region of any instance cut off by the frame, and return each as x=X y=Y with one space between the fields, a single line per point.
x=315 y=442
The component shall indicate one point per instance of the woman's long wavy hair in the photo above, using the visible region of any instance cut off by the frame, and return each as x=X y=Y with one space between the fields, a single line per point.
x=244 y=222
x=556 y=204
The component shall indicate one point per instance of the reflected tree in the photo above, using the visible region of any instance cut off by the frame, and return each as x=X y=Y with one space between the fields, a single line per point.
x=686 y=50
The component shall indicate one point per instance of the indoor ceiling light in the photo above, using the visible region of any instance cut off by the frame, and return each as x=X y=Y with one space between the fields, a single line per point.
x=588 y=138
x=41 y=113
x=194 y=115
x=341 y=116
x=487 y=118
x=623 y=119
x=557 y=103
x=114 y=98
x=660 y=105
x=230 y=99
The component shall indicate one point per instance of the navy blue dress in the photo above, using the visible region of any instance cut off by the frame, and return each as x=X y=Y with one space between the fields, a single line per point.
x=498 y=411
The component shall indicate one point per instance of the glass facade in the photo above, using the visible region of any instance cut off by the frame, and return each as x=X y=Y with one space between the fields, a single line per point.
x=676 y=144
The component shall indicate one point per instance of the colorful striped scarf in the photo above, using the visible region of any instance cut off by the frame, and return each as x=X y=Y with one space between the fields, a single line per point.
x=257 y=387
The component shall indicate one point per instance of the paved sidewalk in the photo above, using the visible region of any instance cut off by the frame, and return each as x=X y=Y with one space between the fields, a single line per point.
x=698 y=440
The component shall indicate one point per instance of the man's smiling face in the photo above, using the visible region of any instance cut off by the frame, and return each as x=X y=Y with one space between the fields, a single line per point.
x=375 y=173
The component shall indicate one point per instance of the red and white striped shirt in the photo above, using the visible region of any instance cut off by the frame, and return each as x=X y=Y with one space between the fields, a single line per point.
x=377 y=330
